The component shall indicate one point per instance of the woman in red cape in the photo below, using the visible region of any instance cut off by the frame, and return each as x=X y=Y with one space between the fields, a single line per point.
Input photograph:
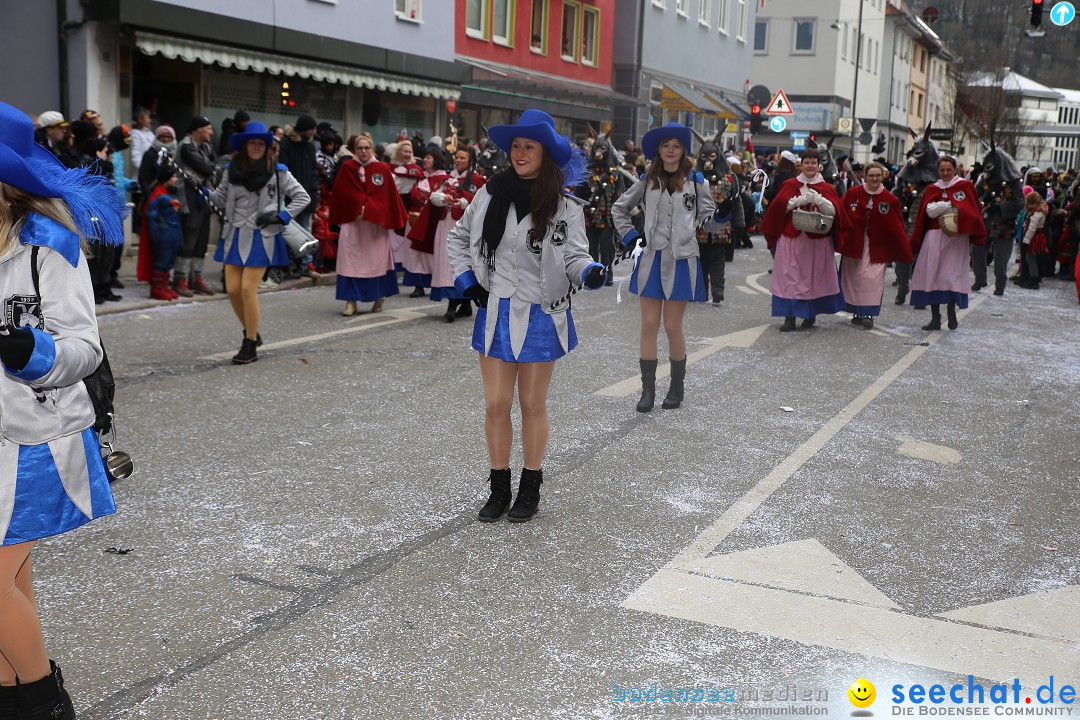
x=366 y=204
x=941 y=275
x=877 y=236
x=804 y=279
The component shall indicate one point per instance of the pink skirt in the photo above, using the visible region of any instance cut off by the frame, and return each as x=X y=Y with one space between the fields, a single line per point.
x=863 y=282
x=364 y=250
x=804 y=268
x=942 y=264
x=441 y=274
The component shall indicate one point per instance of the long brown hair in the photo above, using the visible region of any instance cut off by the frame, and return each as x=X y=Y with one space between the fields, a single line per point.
x=243 y=162
x=672 y=183
x=547 y=194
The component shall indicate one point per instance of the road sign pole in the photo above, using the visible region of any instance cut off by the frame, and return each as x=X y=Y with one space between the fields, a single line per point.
x=855 y=90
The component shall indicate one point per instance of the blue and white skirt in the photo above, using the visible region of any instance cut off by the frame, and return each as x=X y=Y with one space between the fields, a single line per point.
x=248 y=247
x=522 y=332
x=367 y=289
x=53 y=487
x=658 y=275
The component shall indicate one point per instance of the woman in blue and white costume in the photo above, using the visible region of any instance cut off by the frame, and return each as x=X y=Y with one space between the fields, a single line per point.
x=668 y=273
x=516 y=251
x=252 y=192
x=52 y=477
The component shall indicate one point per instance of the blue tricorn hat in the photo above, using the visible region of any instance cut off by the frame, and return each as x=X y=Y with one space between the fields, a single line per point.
x=23 y=163
x=536 y=125
x=650 y=144
x=254 y=130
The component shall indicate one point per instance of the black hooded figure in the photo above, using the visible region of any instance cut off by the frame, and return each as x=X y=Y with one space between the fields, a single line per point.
x=1001 y=193
x=716 y=235
x=604 y=184
x=920 y=171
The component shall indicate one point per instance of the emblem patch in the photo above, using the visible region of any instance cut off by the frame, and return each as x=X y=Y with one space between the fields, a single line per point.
x=688 y=201
x=24 y=311
x=883 y=208
x=271 y=190
x=558 y=235
x=377 y=179
x=532 y=243
x=960 y=196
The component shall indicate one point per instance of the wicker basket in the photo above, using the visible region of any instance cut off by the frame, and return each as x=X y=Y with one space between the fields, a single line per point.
x=811 y=222
x=949 y=224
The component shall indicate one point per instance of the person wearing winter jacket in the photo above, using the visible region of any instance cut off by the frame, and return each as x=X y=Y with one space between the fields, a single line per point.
x=161 y=235
x=162 y=151
x=197 y=161
x=1033 y=241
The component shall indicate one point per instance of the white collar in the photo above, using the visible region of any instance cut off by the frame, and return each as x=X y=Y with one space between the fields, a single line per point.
x=947 y=185
x=812 y=181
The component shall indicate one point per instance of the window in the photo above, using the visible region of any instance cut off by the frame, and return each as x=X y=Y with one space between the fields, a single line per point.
x=854 y=44
x=704 y=12
x=476 y=18
x=743 y=15
x=843 y=48
x=683 y=7
x=662 y=4
x=407 y=9
x=804 y=36
x=722 y=21
x=590 y=36
x=538 y=29
x=761 y=36
x=570 y=42
x=502 y=21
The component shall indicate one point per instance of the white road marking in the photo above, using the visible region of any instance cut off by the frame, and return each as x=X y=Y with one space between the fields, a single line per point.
x=921 y=450
x=741 y=339
x=1051 y=613
x=746 y=290
x=752 y=281
x=578 y=321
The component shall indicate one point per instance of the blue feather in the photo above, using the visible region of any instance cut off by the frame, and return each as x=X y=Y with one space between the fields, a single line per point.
x=575 y=170
x=96 y=207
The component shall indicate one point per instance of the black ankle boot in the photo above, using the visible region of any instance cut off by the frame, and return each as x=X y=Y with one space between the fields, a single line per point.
x=935 y=318
x=528 y=497
x=500 y=497
x=953 y=322
x=9 y=702
x=789 y=324
x=648 y=386
x=45 y=699
x=675 y=390
x=247 y=354
x=808 y=322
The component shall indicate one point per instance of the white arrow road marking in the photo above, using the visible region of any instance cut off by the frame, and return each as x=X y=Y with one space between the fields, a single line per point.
x=752 y=281
x=1052 y=613
x=746 y=290
x=928 y=451
x=388 y=317
x=740 y=339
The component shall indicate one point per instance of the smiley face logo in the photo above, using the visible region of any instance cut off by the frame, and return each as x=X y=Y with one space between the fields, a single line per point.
x=862 y=693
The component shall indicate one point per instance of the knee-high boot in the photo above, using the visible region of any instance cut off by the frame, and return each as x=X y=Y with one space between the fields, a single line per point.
x=648 y=386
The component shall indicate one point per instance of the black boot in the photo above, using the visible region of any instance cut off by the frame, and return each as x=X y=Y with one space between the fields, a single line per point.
x=464 y=308
x=247 y=354
x=789 y=324
x=951 y=310
x=500 y=497
x=808 y=322
x=450 y=316
x=45 y=699
x=9 y=702
x=935 y=318
x=675 y=390
x=648 y=386
x=528 y=497
x=417 y=292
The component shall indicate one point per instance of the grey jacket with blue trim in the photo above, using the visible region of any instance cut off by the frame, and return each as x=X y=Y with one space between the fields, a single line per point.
x=66 y=344
x=694 y=205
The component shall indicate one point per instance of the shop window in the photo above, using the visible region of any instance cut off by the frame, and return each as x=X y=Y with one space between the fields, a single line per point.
x=407 y=9
x=538 y=28
x=476 y=18
x=502 y=21
x=570 y=44
x=590 y=36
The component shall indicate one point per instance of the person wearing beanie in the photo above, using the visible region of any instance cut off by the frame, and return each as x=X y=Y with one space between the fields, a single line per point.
x=161 y=234
x=299 y=153
x=196 y=159
x=162 y=151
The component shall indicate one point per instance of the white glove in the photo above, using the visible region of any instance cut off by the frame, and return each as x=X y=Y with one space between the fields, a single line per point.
x=937 y=209
x=438 y=199
x=815 y=198
x=797 y=202
x=462 y=204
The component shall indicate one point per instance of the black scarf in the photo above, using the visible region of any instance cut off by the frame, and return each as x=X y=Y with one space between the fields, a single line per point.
x=505 y=189
x=253 y=177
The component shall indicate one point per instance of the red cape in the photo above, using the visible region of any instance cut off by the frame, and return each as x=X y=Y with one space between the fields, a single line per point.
x=375 y=193
x=883 y=219
x=478 y=182
x=778 y=222
x=970 y=219
x=144 y=266
x=422 y=232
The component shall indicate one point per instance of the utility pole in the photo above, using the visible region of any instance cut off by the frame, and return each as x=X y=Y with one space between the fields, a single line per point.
x=855 y=90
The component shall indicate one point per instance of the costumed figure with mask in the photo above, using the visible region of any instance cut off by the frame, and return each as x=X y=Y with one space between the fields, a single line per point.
x=604 y=184
x=367 y=206
x=918 y=173
x=805 y=283
x=877 y=236
x=1000 y=191
x=517 y=251
x=52 y=475
x=715 y=236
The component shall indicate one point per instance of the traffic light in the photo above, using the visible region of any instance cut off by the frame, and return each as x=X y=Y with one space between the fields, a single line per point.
x=879 y=146
x=755 y=119
x=813 y=139
x=1036 y=13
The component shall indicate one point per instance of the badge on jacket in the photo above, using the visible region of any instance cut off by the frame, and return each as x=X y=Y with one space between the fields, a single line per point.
x=377 y=179
x=558 y=236
x=883 y=208
x=532 y=243
x=688 y=201
x=24 y=311
x=960 y=196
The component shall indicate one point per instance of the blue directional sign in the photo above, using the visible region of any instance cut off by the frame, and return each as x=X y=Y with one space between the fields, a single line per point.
x=777 y=123
x=1062 y=14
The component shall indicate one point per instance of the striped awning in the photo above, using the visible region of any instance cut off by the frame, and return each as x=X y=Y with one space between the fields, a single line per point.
x=244 y=59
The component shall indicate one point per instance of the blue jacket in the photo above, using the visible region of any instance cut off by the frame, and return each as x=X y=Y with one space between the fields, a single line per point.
x=163 y=221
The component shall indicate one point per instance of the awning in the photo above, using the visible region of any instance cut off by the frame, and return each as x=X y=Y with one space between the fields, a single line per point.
x=679 y=96
x=243 y=59
x=497 y=77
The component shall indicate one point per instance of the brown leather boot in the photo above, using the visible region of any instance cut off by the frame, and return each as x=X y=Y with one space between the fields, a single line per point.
x=180 y=286
x=200 y=287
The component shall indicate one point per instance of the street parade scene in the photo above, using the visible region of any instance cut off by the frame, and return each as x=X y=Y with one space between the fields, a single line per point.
x=539 y=359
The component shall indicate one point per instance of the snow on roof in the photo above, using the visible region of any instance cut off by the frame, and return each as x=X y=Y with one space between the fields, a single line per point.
x=1013 y=82
x=1069 y=97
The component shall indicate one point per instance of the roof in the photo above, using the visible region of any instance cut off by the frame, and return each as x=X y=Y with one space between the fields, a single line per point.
x=1069 y=97
x=1013 y=82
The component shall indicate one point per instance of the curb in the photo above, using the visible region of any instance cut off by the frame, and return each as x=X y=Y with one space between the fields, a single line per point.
x=317 y=280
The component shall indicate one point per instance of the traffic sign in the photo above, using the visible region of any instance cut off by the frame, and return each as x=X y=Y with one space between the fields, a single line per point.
x=1062 y=14
x=777 y=124
x=779 y=105
x=844 y=125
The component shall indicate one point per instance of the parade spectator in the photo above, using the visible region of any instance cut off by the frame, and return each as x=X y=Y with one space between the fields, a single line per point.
x=94 y=118
x=804 y=278
x=1033 y=240
x=55 y=136
x=162 y=151
x=51 y=451
x=949 y=220
x=463 y=184
x=160 y=234
x=119 y=139
x=196 y=159
x=299 y=154
x=668 y=274
x=229 y=126
x=142 y=137
x=98 y=161
x=367 y=206
x=251 y=238
x=516 y=252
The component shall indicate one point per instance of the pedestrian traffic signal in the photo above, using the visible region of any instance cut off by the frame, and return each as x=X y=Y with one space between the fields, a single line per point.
x=755 y=119
x=813 y=139
x=1036 y=13
x=879 y=146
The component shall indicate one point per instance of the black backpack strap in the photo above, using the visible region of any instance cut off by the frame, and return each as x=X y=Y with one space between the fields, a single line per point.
x=34 y=269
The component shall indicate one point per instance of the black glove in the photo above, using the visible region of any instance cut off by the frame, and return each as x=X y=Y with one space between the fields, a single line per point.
x=16 y=347
x=595 y=277
x=268 y=218
x=478 y=294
